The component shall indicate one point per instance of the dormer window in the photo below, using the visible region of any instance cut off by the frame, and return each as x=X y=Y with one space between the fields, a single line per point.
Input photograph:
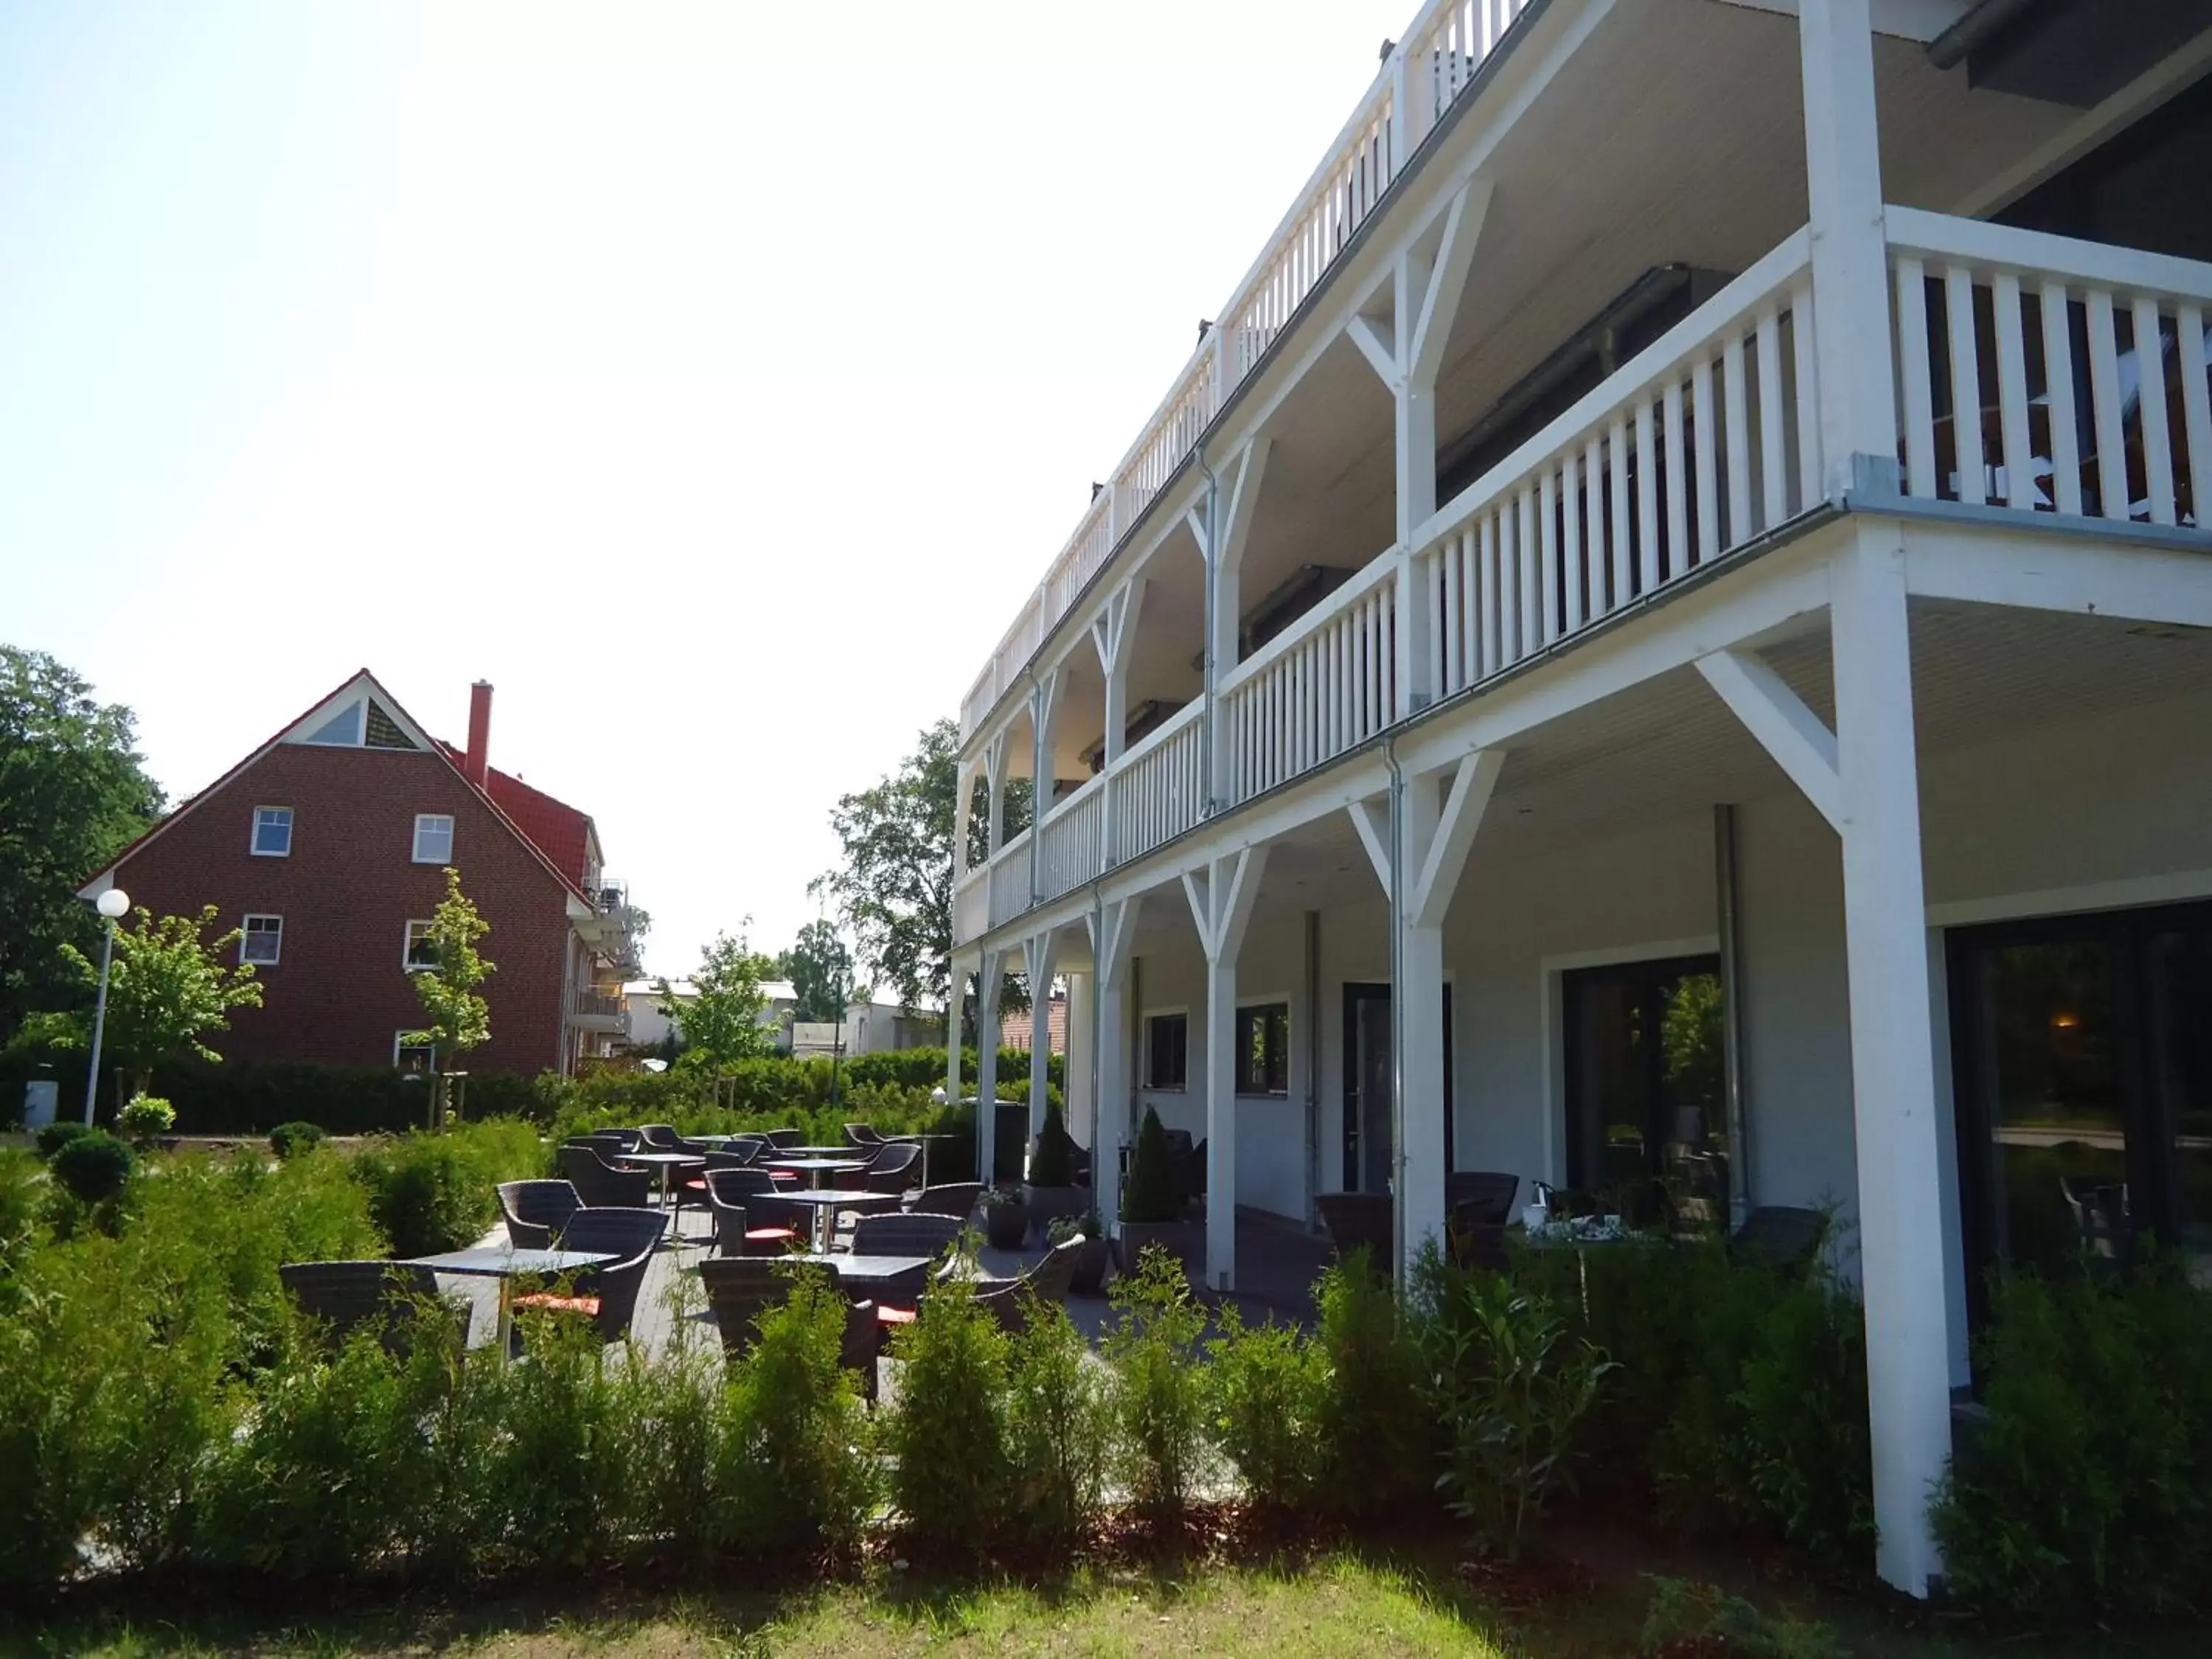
x=434 y=838
x=272 y=832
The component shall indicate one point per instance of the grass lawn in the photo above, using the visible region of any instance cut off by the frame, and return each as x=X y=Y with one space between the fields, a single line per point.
x=1424 y=1603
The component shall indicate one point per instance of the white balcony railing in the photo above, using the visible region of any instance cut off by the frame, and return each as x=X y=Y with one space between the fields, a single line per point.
x=1445 y=47
x=1010 y=880
x=971 y=904
x=2070 y=410
x=1704 y=441
x=1075 y=844
x=1328 y=683
x=1159 y=786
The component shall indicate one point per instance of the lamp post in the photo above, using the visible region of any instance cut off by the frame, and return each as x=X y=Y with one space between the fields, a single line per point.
x=113 y=904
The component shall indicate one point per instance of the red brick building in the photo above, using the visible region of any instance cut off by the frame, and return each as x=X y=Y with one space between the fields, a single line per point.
x=328 y=845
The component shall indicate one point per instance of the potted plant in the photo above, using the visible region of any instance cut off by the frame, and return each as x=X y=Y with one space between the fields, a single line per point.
x=1005 y=1219
x=1050 y=1191
x=1152 y=1209
x=1091 y=1260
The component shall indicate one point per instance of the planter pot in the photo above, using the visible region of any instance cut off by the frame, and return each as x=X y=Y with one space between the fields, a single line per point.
x=1091 y=1267
x=1005 y=1225
x=1049 y=1204
x=1183 y=1240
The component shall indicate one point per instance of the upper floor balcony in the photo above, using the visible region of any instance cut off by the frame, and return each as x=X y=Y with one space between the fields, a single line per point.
x=1627 y=396
x=611 y=929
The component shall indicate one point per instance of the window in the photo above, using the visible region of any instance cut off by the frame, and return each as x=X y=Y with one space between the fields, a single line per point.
x=434 y=838
x=1263 y=1049
x=1647 y=1122
x=412 y=1058
x=262 y=940
x=272 y=832
x=418 y=954
x=1167 y=1050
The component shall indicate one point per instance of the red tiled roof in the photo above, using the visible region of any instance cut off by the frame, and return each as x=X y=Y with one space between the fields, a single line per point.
x=1014 y=1029
x=555 y=829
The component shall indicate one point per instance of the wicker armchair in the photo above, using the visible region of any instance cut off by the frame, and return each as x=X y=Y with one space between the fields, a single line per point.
x=600 y=1185
x=1357 y=1219
x=863 y=1136
x=1484 y=1197
x=344 y=1296
x=1780 y=1237
x=1048 y=1281
x=536 y=1210
x=740 y=1289
x=658 y=1138
x=750 y=1219
x=905 y=1234
x=957 y=1198
x=782 y=1138
x=893 y=1168
x=607 y=1295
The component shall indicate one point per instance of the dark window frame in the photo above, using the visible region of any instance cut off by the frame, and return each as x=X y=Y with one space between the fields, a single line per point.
x=1156 y=1052
x=1263 y=1049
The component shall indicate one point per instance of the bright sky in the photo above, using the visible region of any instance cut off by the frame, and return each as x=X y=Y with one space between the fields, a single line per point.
x=714 y=379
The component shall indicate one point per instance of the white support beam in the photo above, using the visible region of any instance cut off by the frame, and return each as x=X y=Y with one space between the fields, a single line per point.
x=1039 y=950
x=1113 y=929
x=1243 y=502
x=990 y=980
x=1472 y=782
x=1446 y=283
x=1375 y=836
x=956 y=985
x=1221 y=897
x=1895 y=1100
x=1800 y=744
x=994 y=775
x=1043 y=696
x=2038 y=570
x=1362 y=332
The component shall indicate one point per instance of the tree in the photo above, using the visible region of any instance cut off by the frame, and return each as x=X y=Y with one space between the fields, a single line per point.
x=722 y=1021
x=895 y=887
x=168 y=990
x=456 y=1018
x=73 y=793
x=820 y=970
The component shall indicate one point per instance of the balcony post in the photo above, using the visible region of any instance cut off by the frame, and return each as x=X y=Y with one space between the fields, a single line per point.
x=1039 y=951
x=994 y=775
x=1893 y=1090
x=1112 y=927
x=1856 y=392
x=1221 y=898
x=955 y=994
x=1043 y=695
x=1112 y=633
x=962 y=788
x=1232 y=497
x=990 y=980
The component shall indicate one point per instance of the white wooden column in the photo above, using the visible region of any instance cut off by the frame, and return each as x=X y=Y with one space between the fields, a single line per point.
x=1038 y=951
x=1221 y=898
x=1856 y=395
x=1113 y=927
x=1864 y=778
x=1406 y=350
x=1892 y=1055
x=1081 y=1115
x=955 y=995
x=1114 y=636
x=994 y=778
x=1042 y=697
x=1221 y=536
x=1419 y=860
x=990 y=977
x=962 y=788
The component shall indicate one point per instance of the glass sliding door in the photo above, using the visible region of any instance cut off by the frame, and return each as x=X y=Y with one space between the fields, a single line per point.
x=1647 y=1124
x=2082 y=1075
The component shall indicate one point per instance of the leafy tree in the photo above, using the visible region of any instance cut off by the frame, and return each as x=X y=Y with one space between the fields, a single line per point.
x=168 y=991
x=895 y=887
x=820 y=970
x=73 y=792
x=456 y=1017
x=722 y=1021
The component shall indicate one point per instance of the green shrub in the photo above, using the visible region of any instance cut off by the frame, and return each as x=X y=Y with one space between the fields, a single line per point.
x=432 y=1193
x=145 y=1117
x=94 y=1168
x=1149 y=1193
x=1052 y=1162
x=1381 y=1449
x=1058 y=1428
x=1158 y=1391
x=288 y=1139
x=793 y=1471
x=2086 y=1490
x=556 y=1482
x=23 y=1213
x=1511 y=1388
x=52 y=1137
x=1803 y=1404
x=951 y=1478
x=1271 y=1399
x=1685 y=1617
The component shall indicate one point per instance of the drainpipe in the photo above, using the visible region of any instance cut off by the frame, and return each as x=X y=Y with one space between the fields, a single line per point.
x=1313 y=1065
x=1731 y=930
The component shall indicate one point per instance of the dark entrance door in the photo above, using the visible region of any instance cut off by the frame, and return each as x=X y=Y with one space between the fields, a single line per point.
x=2081 y=1058
x=1647 y=1126
x=1367 y=1083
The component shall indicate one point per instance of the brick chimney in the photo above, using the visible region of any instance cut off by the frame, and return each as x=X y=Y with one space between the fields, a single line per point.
x=473 y=762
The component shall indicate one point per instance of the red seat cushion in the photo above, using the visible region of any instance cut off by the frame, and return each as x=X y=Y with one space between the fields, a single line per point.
x=546 y=1302
x=695 y=1186
x=763 y=1235
x=886 y=1316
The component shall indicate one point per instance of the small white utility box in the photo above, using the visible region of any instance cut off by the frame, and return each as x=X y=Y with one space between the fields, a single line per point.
x=39 y=1099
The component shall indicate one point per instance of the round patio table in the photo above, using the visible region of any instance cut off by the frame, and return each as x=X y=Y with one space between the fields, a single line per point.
x=815 y=1168
x=815 y=1152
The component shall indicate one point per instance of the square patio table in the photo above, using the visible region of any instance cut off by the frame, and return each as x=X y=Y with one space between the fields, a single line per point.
x=902 y=1274
x=667 y=1163
x=828 y=1200
x=845 y=1151
x=815 y=1168
x=506 y=1264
